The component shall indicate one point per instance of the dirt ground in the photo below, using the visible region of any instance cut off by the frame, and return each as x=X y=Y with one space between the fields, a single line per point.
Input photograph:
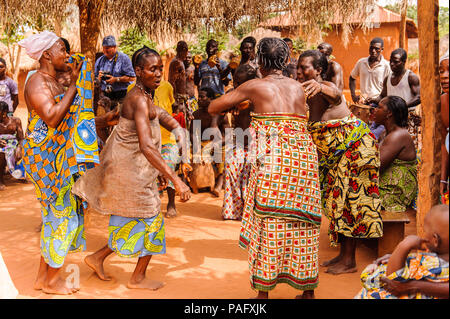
x=203 y=260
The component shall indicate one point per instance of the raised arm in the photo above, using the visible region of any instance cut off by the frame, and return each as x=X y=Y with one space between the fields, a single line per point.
x=40 y=98
x=327 y=89
x=231 y=99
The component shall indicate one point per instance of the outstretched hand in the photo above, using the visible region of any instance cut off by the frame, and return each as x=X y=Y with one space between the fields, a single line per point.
x=311 y=88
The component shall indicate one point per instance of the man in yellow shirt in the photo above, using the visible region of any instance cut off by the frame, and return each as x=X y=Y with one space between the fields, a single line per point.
x=164 y=98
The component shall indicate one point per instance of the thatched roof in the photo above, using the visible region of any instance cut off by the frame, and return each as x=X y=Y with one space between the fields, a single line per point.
x=166 y=17
x=377 y=16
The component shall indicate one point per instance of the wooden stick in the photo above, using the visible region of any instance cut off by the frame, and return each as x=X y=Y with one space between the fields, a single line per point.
x=429 y=172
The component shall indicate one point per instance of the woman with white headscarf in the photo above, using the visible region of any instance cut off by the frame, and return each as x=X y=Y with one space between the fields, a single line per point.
x=444 y=79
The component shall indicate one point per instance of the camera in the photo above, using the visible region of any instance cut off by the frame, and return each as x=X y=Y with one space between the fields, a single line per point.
x=106 y=76
x=108 y=88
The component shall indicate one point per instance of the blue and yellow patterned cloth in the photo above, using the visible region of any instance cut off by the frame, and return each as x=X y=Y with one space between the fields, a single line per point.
x=53 y=155
x=53 y=158
x=137 y=237
x=418 y=266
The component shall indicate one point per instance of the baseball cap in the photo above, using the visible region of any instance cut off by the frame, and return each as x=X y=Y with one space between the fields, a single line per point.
x=109 y=41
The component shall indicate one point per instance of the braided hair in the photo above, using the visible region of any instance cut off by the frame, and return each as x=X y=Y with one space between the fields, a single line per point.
x=138 y=56
x=273 y=54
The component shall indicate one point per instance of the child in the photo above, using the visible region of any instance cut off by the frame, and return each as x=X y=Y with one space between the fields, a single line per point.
x=408 y=275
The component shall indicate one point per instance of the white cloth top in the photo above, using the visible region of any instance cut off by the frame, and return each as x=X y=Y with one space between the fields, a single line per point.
x=371 y=79
x=402 y=89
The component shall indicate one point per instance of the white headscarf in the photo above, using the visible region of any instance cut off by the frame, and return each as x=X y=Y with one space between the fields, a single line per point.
x=36 y=44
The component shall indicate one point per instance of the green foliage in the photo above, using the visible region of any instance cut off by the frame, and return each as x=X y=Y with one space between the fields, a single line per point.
x=299 y=45
x=443 y=21
x=133 y=39
x=411 y=11
x=12 y=34
x=204 y=36
x=243 y=28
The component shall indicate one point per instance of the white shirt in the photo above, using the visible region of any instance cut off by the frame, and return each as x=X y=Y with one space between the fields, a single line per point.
x=402 y=89
x=371 y=79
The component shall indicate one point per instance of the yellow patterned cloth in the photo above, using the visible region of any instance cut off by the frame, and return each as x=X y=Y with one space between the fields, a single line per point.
x=137 y=237
x=349 y=168
x=418 y=266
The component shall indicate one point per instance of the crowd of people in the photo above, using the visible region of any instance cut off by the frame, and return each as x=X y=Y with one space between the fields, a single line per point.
x=275 y=133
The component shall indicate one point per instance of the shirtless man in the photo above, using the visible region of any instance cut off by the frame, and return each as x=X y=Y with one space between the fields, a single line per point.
x=177 y=73
x=189 y=67
x=11 y=137
x=208 y=121
x=350 y=201
x=248 y=54
x=280 y=112
x=334 y=72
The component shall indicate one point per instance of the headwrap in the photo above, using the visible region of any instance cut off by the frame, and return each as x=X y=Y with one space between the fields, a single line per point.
x=444 y=57
x=36 y=44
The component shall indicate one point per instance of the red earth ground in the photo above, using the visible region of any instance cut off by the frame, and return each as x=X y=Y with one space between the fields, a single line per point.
x=203 y=260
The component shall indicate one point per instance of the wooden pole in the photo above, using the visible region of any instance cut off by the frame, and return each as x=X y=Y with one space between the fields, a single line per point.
x=402 y=38
x=90 y=18
x=429 y=172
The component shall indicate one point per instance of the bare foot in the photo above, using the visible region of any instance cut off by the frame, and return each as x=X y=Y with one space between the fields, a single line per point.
x=215 y=192
x=262 y=295
x=38 y=228
x=39 y=283
x=97 y=266
x=58 y=287
x=331 y=261
x=2 y=187
x=341 y=268
x=145 y=284
x=171 y=212
x=307 y=294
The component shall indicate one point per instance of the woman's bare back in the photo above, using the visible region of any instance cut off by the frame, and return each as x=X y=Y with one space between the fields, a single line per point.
x=276 y=93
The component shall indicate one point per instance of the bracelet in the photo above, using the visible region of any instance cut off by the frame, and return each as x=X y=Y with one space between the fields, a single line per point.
x=444 y=182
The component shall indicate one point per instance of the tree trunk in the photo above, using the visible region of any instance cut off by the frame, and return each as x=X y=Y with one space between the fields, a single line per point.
x=90 y=18
x=402 y=39
x=16 y=65
x=429 y=172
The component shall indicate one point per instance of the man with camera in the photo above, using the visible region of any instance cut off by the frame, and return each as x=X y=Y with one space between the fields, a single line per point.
x=113 y=71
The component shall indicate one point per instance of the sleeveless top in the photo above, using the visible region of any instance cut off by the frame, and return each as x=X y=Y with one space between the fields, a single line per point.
x=402 y=89
x=125 y=183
